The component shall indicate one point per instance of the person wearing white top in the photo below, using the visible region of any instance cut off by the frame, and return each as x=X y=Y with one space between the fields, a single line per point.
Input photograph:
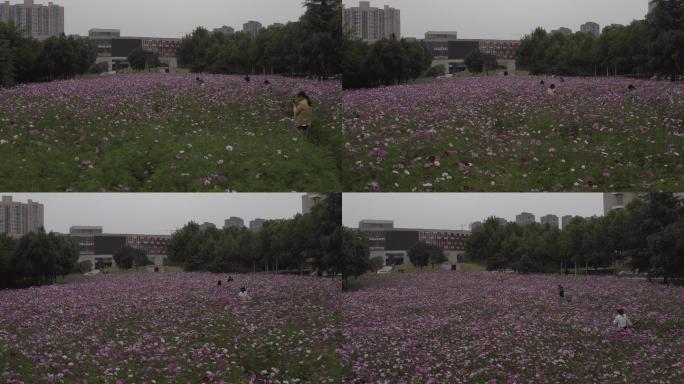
x=621 y=320
x=243 y=295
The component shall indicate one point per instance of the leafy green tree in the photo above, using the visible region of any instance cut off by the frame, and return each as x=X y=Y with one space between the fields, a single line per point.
x=422 y=254
x=85 y=266
x=667 y=250
x=141 y=59
x=666 y=35
x=125 y=257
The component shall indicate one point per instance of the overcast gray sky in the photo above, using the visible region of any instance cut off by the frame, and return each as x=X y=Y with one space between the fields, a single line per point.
x=157 y=214
x=507 y=19
x=459 y=210
x=172 y=18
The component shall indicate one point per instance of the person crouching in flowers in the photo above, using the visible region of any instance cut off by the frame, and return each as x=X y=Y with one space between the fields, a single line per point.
x=244 y=295
x=303 y=112
x=621 y=320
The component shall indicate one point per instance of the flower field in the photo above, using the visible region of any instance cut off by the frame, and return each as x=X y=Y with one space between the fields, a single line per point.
x=509 y=134
x=180 y=328
x=498 y=328
x=165 y=132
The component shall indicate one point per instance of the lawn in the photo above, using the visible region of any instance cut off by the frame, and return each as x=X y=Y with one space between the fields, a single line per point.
x=172 y=327
x=450 y=327
x=507 y=134
x=165 y=132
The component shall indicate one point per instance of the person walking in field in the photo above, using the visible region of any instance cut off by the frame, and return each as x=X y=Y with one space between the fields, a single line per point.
x=621 y=320
x=303 y=112
x=561 y=293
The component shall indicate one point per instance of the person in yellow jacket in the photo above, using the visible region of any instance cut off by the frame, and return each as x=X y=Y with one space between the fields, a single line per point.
x=303 y=111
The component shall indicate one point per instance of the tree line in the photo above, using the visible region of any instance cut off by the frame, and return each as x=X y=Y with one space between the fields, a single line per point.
x=387 y=61
x=648 y=235
x=311 y=243
x=308 y=47
x=24 y=60
x=644 y=48
x=35 y=259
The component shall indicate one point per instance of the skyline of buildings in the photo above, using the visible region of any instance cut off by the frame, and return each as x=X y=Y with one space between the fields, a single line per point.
x=34 y=20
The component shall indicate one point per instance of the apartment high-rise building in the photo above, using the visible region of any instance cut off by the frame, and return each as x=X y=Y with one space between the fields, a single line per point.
x=18 y=219
x=566 y=220
x=256 y=224
x=206 y=226
x=592 y=28
x=234 y=222
x=563 y=30
x=551 y=220
x=252 y=28
x=525 y=218
x=226 y=30
x=370 y=23
x=34 y=20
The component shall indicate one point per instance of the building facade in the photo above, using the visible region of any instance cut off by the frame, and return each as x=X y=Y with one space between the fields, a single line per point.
x=105 y=246
x=252 y=28
x=114 y=49
x=393 y=244
x=234 y=222
x=451 y=52
x=591 y=28
x=17 y=219
x=256 y=224
x=525 y=218
x=83 y=238
x=563 y=30
x=550 y=220
x=566 y=220
x=34 y=20
x=226 y=30
x=370 y=23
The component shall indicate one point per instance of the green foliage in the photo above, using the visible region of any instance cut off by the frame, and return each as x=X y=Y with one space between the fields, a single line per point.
x=423 y=254
x=307 y=47
x=376 y=263
x=36 y=258
x=647 y=233
x=306 y=242
x=666 y=36
x=127 y=258
x=385 y=62
x=436 y=71
x=25 y=60
x=645 y=47
x=478 y=62
x=141 y=59
x=85 y=266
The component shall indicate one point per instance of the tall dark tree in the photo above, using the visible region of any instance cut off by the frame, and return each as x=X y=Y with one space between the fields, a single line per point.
x=666 y=35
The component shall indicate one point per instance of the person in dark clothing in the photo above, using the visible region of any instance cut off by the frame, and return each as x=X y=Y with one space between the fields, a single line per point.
x=542 y=82
x=247 y=78
x=561 y=293
x=218 y=284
